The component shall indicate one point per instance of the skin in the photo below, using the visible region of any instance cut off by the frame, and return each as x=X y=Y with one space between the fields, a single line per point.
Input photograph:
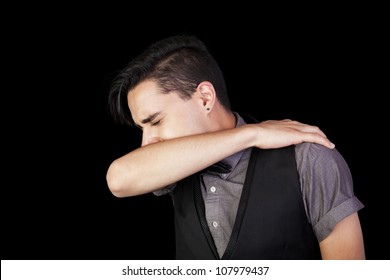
x=181 y=137
x=345 y=242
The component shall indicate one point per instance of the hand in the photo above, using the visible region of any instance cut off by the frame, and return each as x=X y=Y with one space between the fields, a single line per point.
x=281 y=133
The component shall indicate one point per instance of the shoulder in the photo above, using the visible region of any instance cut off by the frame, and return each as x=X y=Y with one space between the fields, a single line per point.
x=322 y=170
x=313 y=154
x=315 y=150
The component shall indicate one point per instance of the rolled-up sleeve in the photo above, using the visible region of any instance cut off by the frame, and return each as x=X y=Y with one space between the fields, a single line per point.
x=327 y=187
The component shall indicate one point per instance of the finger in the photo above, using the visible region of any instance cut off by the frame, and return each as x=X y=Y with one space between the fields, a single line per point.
x=310 y=129
x=319 y=139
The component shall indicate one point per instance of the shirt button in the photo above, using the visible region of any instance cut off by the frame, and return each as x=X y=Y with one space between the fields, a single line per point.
x=215 y=224
x=213 y=189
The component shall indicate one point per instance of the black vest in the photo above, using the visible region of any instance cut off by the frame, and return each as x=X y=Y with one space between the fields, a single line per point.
x=271 y=221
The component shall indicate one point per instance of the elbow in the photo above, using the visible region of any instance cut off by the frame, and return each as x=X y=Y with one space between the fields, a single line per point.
x=116 y=182
x=115 y=189
x=114 y=185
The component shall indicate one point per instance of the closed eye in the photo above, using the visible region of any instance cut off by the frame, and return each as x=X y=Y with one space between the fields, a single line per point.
x=151 y=124
x=156 y=123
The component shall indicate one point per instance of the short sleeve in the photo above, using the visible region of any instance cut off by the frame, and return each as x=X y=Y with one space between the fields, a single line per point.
x=327 y=187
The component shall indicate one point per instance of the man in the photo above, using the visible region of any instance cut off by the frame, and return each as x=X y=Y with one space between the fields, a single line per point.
x=241 y=189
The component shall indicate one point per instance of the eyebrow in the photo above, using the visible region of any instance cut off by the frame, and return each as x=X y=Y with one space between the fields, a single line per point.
x=149 y=119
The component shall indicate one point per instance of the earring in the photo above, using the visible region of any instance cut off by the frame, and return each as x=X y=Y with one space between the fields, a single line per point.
x=208 y=109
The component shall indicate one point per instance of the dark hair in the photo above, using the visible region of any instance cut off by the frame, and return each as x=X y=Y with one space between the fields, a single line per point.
x=178 y=63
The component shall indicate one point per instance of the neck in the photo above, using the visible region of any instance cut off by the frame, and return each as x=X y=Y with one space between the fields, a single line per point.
x=223 y=119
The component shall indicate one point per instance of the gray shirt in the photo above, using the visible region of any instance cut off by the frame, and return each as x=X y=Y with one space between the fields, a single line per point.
x=326 y=185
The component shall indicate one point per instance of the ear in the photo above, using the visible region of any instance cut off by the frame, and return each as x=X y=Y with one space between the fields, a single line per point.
x=207 y=95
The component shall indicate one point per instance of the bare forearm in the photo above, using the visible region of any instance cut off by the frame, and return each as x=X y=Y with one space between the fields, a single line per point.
x=157 y=165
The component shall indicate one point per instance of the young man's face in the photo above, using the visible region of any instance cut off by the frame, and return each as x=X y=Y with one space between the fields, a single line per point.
x=165 y=116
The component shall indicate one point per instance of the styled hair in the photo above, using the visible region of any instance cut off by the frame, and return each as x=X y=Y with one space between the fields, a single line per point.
x=178 y=63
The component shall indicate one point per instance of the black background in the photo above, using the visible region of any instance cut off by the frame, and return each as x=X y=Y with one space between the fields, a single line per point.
x=318 y=68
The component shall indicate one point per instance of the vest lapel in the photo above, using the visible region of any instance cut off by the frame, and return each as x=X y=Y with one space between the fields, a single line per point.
x=241 y=206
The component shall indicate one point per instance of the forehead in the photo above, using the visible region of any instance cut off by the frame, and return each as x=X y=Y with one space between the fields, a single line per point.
x=147 y=99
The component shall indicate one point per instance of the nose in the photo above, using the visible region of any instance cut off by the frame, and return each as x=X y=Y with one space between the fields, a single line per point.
x=149 y=138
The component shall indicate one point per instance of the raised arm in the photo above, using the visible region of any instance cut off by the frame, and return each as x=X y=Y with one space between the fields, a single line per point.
x=157 y=165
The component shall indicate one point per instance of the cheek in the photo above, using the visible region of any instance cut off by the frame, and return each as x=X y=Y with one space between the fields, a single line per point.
x=192 y=124
x=183 y=126
x=185 y=120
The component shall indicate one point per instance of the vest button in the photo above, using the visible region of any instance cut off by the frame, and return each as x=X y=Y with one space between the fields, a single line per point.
x=215 y=224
